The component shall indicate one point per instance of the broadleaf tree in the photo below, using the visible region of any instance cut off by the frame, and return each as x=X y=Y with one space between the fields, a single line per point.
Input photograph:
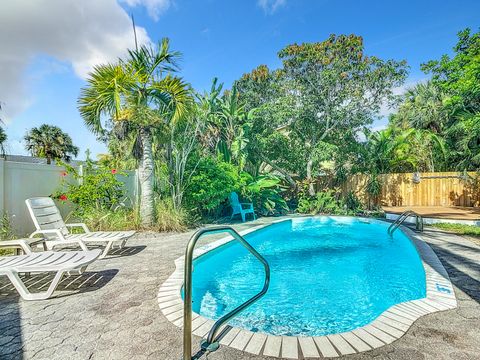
x=337 y=89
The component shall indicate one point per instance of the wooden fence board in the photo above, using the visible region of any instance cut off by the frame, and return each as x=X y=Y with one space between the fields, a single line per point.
x=434 y=189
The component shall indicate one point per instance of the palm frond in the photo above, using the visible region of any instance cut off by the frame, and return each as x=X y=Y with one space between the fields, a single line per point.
x=105 y=93
x=173 y=94
x=151 y=60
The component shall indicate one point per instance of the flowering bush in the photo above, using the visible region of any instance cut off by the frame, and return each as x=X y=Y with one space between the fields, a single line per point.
x=96 y=188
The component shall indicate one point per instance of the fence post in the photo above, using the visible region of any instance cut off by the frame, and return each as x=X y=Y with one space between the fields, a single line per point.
x=2 y=186
x=80 y=174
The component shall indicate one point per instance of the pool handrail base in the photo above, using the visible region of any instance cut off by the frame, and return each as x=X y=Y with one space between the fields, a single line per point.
x=210 y=343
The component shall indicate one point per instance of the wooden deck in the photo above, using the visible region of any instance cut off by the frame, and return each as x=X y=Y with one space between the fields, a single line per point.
x=440 y=212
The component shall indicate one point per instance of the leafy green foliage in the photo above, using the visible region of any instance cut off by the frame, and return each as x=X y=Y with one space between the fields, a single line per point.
x=6 y=229
x=95 y=188
x=212 y=182
x=141 y=99
x=324 y=202
x=3 y=140
x=266 y=194
x=323 y=94
x=329 y=202
x=352 y=202
x=449 y=106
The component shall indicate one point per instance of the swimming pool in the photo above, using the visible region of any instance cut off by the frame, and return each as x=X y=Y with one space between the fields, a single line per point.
x=328 y=275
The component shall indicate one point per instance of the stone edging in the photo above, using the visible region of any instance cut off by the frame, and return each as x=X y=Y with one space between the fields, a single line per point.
x=385 y=329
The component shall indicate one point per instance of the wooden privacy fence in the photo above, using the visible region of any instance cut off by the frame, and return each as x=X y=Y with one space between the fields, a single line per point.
x=433 y=189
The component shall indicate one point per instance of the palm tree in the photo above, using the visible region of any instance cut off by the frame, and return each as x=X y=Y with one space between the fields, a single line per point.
x=423 y=108
x=3 y=139
x=387 y=151
x=139 y=95
x=464 y=139
x=233 y=127
x=427 y=149
x=50 y=142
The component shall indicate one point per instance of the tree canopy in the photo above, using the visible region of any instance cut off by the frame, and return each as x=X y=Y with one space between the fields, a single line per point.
x=50 y=142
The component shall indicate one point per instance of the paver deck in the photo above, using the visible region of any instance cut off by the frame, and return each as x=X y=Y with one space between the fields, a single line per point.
x=438 y=212
x=111 y=312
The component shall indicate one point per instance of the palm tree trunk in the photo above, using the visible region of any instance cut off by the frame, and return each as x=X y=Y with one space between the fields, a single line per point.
x=311 y=186
x=145 y=174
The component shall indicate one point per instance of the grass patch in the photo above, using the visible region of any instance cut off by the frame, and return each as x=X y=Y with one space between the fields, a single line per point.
x=6 y=252
x=169 y=218
x=108 y=220
x=470 y=230
x=6 y=233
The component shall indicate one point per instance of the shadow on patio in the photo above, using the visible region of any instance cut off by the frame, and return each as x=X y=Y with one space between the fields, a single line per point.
x=11 y=336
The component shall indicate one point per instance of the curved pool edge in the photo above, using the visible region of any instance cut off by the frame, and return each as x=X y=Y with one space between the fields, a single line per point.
x=389 y=326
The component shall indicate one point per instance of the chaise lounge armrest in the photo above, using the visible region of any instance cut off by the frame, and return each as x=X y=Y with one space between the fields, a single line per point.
x=23 y=244
x=61 y=240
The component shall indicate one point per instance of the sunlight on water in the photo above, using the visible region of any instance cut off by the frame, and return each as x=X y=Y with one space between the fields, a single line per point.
x=328 y=275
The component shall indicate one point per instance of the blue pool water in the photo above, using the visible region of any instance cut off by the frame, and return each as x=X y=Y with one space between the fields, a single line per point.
x=328 y=275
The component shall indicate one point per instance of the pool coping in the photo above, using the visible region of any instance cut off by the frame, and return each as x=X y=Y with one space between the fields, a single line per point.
x=388 y=327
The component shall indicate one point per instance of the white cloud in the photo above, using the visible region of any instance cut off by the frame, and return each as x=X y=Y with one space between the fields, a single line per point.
x=270 y=6
x=79 y=33
x=154 y=7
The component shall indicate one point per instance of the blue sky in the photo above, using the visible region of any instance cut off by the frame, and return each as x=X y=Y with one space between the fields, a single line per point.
x=217 y=38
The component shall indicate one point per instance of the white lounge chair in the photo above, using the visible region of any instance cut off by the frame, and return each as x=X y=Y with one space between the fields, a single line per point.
x=47 y=261
x=239 y=208
x=49 y=223
x=24 y=245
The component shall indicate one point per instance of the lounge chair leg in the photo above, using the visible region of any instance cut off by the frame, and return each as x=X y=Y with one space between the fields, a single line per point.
x=107 y=249
x=243 y=217
x=27 y=295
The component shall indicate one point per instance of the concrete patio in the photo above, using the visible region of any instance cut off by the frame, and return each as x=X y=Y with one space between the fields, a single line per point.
x=111 y=311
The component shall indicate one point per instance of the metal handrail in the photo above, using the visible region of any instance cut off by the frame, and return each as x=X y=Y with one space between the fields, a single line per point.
x=399 y=221
x=210 y=344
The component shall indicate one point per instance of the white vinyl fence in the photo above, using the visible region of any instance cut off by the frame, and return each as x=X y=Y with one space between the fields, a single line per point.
x=21 y=180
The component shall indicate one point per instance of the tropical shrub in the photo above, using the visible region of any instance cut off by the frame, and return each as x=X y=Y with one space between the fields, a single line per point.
x=374 y=190
x=211 y=184
x=328 y=202
x=95 y=188
x=324 y=202
x=265 y=193
x=352 y=202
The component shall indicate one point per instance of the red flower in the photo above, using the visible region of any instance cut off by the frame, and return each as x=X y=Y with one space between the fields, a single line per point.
x=63 y=197
x=63 y=173
x=114 y=171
